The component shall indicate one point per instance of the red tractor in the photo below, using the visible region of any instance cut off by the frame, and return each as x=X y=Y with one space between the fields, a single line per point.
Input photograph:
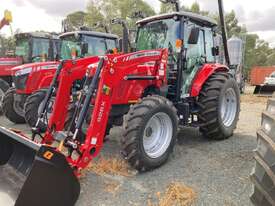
x=32 y=80
x=30 y=47
x=150 y=92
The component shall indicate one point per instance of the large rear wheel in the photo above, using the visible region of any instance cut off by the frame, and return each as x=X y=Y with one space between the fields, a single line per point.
x=150 y=131
x=219 y=103
x=263 y=175
x=9 y=107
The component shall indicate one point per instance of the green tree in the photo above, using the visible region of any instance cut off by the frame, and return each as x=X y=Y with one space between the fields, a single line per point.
x=6 y=44
x=75 y=20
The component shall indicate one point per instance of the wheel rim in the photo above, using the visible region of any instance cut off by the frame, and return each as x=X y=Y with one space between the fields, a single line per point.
x=229 y=107
x=49 y=110
x=157 y=135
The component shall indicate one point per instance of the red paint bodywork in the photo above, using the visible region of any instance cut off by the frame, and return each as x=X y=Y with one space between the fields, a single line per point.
x=204 y=73
x=114 y=73
x=40 y=77
x=7 y=64
x=115 y=69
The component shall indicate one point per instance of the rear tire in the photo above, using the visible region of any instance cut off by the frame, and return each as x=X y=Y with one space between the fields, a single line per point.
x=31 y=108
x=219 y=103
x=150 y=132
x=8 y=107
x=4 y=86
x=263 y=175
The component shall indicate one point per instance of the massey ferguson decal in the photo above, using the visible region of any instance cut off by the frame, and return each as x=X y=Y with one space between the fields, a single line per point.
x=142 y=54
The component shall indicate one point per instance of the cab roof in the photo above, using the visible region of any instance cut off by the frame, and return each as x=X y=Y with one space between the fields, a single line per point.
x=203 y=20
x=91 y=33
x=45 y=35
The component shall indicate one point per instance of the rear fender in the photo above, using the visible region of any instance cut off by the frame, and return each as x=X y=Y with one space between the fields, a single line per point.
x=204 y=73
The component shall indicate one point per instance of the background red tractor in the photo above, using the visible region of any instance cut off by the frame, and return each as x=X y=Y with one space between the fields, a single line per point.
x=32 y=80
x=30 y=47
x=150 y=92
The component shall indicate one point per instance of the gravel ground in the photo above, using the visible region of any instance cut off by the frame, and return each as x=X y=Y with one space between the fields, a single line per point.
x=217 y=170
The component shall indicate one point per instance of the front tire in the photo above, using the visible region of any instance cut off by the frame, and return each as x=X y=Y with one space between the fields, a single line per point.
x=32 y=107
x=150 y=131
x=263 y=174
x=219 y=103
x=4 y=86
x=8 y=107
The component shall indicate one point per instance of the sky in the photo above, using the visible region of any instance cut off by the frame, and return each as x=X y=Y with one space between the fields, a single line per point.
x=31 y=15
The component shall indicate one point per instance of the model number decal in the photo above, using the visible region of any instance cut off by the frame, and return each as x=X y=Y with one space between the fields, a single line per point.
x=101 y=110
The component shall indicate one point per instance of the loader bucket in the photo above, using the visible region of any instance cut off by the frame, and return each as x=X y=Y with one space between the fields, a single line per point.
x=32 y=174
x=265 y=90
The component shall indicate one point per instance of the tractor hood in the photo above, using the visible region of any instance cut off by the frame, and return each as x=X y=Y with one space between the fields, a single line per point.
x=10 y=61
x=33 y=67
x=7 y=63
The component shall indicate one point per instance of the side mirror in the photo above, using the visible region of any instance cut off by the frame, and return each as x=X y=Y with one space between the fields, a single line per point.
x=194 y=35
x=215 y=51
x=84 y=49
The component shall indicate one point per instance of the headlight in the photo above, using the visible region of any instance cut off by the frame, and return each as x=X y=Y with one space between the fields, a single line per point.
x=20 y=81
x=23 y=71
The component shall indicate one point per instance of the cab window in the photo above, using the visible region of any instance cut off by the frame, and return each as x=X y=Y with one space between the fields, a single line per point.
x=209 y=44
x=96 y=46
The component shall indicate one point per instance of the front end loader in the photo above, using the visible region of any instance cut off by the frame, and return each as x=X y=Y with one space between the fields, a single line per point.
x=53 y=161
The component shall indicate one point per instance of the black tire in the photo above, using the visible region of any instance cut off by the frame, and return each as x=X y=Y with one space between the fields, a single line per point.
x=134 y=129
x=210 y=102
x=263 y=175
x=8 y=107
x=4 y=86
x=31 y=108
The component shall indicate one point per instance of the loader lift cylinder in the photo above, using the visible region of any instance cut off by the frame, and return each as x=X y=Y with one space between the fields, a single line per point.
x=42 y=112
x=89 y=96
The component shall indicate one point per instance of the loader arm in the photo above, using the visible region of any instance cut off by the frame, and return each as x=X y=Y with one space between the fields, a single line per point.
x=71 y=71
x=115 y=71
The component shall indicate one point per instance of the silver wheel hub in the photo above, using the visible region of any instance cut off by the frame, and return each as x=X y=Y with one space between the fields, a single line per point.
x=229 y=107
x=157 y=135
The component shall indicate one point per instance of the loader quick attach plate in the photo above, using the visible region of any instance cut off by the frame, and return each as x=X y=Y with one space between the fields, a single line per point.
x=49 y=178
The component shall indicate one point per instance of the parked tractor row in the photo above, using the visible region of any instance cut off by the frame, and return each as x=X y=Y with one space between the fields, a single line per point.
x=172 y=79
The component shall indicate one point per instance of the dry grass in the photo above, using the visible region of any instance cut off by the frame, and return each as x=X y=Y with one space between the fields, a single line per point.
x=112 y=166
x=176 y=194
x=250 y=98
x=112 y=186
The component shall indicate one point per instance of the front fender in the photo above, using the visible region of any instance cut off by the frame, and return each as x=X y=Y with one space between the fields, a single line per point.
x=204 y=73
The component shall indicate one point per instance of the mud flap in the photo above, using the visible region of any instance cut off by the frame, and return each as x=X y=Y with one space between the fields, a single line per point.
x=49 y=179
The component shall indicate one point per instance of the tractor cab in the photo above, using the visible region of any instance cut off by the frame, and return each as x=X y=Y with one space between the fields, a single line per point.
x=37 y=47
x=189 y=38
x=80 y=44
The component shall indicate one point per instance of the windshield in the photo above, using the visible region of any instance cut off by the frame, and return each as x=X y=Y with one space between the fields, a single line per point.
x=22 y=49
x=158 y=34
x=40 y=49
x=96 y=46
x=69 y=44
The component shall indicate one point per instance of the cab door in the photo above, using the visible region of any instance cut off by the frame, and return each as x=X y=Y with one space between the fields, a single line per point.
x=195 y=57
